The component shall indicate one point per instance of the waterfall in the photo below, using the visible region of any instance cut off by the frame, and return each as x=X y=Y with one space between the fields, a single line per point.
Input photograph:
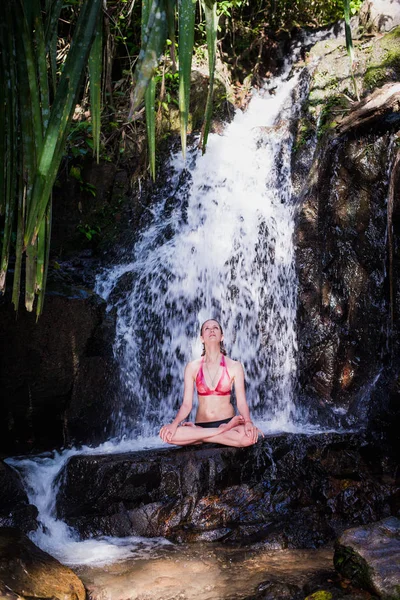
x=218 y=244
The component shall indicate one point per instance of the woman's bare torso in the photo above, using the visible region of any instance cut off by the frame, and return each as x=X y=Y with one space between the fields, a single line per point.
x=214 y=407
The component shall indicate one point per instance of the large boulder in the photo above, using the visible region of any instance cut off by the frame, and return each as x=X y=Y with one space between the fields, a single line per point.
x=15 y=510
x=289 y=490
x=370 y=557
x=58 y=375
x=28 y=571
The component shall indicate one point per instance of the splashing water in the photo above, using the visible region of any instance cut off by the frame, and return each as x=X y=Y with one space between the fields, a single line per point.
x=219 y=245
x=42 y=482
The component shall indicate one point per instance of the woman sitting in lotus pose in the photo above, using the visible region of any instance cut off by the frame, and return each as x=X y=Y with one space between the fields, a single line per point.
x=213 y=374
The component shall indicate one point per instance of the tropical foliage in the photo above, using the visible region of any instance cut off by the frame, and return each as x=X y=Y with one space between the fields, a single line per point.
x=38 y=106
x=45 y=58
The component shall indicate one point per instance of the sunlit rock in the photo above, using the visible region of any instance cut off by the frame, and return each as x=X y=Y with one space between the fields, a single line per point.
x=29 y=572
x=370 y=557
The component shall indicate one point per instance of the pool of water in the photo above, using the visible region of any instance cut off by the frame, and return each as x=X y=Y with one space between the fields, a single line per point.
x=202 y=572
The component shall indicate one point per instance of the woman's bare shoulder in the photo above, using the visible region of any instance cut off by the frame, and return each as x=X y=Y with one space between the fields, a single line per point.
x=233 y=365
x=193 y=366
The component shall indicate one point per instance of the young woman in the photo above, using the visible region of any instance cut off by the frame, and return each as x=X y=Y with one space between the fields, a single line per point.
x=213 y=375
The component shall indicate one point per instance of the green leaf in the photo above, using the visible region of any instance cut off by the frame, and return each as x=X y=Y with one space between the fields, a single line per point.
x=150 y=100
x=210 y=11
x=170 y=5
x=46 y=255
x=12 y=157
x=187 y=10
x=347 y=27
x=95 y=67
x=61 y=115
x=153 y=42
x=30 y=276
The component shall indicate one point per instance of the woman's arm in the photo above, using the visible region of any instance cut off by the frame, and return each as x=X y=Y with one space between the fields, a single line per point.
x=241 y=402
x=167 y=432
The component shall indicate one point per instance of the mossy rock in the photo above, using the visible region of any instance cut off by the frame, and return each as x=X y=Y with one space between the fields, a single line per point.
x=369 y=556
x=334 y=88
x=384 y=61
x=320 y=595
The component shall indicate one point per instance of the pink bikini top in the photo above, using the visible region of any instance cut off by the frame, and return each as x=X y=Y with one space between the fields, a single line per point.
x=223 y=387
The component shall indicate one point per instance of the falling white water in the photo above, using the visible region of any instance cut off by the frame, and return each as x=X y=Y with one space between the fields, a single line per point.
x=41 y=479
x=219 y=245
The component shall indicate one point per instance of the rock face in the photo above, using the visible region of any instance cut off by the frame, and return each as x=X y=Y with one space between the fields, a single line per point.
x=370 y=557
x=28 y=571
x=57 y=375
x=15 y=510
x=348 y=267
x=290 y=490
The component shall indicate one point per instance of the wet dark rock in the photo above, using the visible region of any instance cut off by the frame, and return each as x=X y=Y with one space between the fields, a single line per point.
x=27 y=571
x=346 y=179
x=370 y=557
x=289 y=491
x=341 y=251
x=58 y=375
x=277 y=590
x=15 y=510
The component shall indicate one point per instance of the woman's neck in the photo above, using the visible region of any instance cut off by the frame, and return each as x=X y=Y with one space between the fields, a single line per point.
x=212 y=355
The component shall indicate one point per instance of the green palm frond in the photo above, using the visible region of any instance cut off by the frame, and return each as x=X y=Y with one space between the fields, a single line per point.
x=33 y=131
x=210 y=11
x=186 y=20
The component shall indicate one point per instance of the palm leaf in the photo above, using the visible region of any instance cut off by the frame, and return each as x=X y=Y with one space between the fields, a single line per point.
x=186 y=17
x=150 y=98
x=30 y=276
x=349 y=44
x=210 y=11
x=46 y=255
x=61 y=115
x=22 y=27
x=10 y=146
x=153 y=42
x=170 y=6
x=19 y=243
x=149 y=101
x=95 y=68
x=53 y=14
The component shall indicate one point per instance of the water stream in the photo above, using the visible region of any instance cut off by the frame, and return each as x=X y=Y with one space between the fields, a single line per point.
x=218 y=244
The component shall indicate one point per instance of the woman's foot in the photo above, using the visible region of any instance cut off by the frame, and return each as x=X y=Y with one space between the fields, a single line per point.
x=234 y=422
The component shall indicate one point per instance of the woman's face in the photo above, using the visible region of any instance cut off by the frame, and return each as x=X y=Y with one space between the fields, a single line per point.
x=211 y=331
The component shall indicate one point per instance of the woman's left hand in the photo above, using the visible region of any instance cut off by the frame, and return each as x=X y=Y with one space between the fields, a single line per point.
x=251 y=431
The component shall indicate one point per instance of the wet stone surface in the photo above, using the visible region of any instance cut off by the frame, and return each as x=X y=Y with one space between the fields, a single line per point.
x=370 y=557
x=289 y=491
x=15 y=510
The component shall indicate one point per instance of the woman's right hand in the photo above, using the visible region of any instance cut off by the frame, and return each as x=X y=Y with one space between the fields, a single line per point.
x=167 y=432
